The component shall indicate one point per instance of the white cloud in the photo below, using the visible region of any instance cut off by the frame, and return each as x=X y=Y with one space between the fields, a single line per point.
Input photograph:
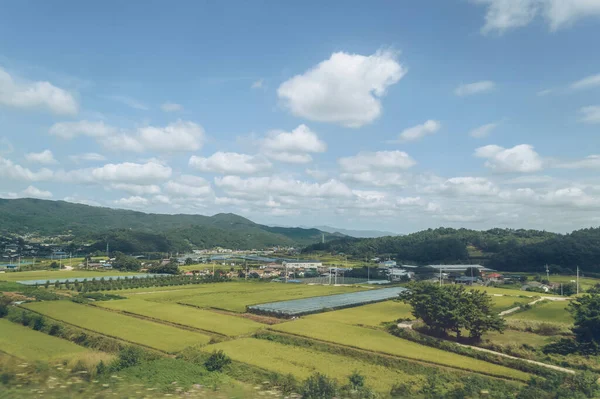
x=69 y=130
x=520 y=158
x=36 y=95
x=378 y=179
x=346 y=89
x=12 y=171
x=483 y=130
x=418 y=132
x=87 y=157
x=503 y=15
x=136 y=189
x=130 y=102
x=171 y=107
x=132 y=202
x=591 y=114
x=161 y=199
x=380 y=160
x=177 y=136
x=128 y=172
x=230 y=163
x=586 y=83
x=545 y=92
x=45 y=157
x=467 y=186
x=292 y=147
x=474 y=88
x=259 y=84
x=77 y=200
x=590 y=162
x=188 y=186
x=261 y=186
x=317 y=174
x=33 y=192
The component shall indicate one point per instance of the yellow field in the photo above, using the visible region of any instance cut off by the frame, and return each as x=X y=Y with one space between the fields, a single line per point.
x=367 y=315
x=58 y=274
x=154 y=335
x=186 y=316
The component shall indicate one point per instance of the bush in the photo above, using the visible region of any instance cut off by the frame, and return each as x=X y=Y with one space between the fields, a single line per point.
x=564 y=346
x=217 y=361
x=55 y=329
x=356 y=380
x=101 y=368
x=25 y=318
x=4 y=302
x=319 y=386
x=128 y=357
x=38 y=323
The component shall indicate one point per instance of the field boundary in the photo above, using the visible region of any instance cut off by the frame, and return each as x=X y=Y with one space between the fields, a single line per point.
x=425 y=362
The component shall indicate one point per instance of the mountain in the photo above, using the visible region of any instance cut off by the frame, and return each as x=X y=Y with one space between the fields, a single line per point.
x=357 y=233
x=502 y=249
x=132 y=231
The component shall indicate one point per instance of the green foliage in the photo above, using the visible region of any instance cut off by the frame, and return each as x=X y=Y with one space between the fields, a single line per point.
x=38 y=323
x=126 y=263
x=319 y=386
x=4 y=303
x=54 y=265
x=586 y=313
x=453 y=308
x=170 y=268
x=356 y=380
x=217 y=361
x=128 y=357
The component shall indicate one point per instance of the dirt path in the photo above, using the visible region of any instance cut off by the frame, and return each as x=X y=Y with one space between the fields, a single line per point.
x=549 y=298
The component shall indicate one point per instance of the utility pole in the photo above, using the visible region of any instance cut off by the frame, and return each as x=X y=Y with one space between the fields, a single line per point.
x=561 y=290
x=336 y=269
x=330 y=276
x=246 y=264
x=547 y=274
x=286 y=273
x=440 y=276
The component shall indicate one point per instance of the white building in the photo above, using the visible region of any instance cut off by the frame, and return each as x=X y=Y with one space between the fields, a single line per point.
x=298 y=264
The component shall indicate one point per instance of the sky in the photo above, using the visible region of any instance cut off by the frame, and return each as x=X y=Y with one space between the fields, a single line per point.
x=396 y=116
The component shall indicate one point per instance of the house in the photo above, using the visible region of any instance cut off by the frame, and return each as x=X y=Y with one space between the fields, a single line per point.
x=494 y=277
x=466 y=280
x=387 y=264
x=299 y=264
x=397 y=274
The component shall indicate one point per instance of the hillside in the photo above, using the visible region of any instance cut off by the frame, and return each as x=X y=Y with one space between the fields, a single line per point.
x=501 y=249
x=132 y=231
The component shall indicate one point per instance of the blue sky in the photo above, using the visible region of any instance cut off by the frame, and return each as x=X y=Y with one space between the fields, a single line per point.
x=381 y=115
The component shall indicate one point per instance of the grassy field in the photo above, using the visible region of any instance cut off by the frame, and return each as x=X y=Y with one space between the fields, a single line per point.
x=508 y=291
x=382 y=342
x=368 y=315
x=554 y=312
x=507 y=302
x=154 y=335
x=584 y=282
x=187 y=316
x=56 y=274
x=302 y=362
x=517 y=338
x=28 y=344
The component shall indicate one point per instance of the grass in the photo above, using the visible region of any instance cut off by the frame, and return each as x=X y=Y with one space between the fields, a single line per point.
x=517 y=338
x=508 y=302
x=27 y=344
x=509 y=291
x=369 y=315
x=382 y=342
x=554 y=312
x=154 y=335
x=302 y=362
x=57 y=274
x=187 y=316
x=584 y=282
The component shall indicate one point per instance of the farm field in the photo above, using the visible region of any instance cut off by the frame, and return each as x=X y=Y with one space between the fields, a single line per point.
x=517 y=338
x=507 y=302
x=27 y=344
x=50 y=274
x=584 y=282
x=302 y=362
x=368 y=315
x=509 y=291
x=154 y=335
x=185 y=315
x=382 y=342
x=554 y=312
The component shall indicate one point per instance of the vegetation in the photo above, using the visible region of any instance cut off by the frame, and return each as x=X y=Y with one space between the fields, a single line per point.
x=550 y=312
x=186 y=316
x=217 y=361
x=126 y=263
x=367 y=315
x=453 y=308
x=147 y=333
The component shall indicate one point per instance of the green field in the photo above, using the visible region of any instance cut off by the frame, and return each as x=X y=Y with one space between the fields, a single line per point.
x=584 y=282
x=235 y=296
x=302 y=362
x=57 y=274
x=554 y=312
x=517 y=338
x=382 y=342
x=509 y=291
x=508 y=302
x=154 y=335
x=187 y=316
x=368 y=315
x=27 y=344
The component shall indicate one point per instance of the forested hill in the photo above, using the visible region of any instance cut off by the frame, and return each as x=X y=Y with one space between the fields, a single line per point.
x=132 y=231
x=501 y=249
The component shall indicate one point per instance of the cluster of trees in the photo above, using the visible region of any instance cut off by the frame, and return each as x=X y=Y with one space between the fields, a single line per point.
x=110 y=284
x=453 y=308
x=126 y=263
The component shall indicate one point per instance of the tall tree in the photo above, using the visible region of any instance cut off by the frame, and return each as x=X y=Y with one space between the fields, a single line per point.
x=586 y=315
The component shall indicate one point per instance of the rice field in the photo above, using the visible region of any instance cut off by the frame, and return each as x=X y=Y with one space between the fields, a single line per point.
x=154 y=335
x=382 y=342
x=508 y=302
x=302 y=362
x=27 y=344
x=59 y=274
x=553 y=312
x=186 y=316
x=369 y=315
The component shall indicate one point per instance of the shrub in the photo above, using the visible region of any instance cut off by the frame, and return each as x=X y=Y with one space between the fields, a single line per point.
x=25 y=318
x=319 y=386
x=55 y=329
x=564 y=346
x=101 y=368
x=128 y=357
x=38 y=323
x=356 y=380
x=217 y=361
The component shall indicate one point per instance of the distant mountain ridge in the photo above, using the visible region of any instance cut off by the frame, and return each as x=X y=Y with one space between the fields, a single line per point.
x=357 y=233
x=141 y=232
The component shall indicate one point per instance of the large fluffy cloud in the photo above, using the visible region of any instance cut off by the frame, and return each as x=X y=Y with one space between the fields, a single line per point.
x=376 y=161
x=11 y=171
x=587 y=82
x=129 y=172
x=34 y=192
x=69 y=130
x=188 y=186
x=292 y=147
x=35 y=95
x=345 y=89
x=230 y=163
x=520 y=158
x=503 y=15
